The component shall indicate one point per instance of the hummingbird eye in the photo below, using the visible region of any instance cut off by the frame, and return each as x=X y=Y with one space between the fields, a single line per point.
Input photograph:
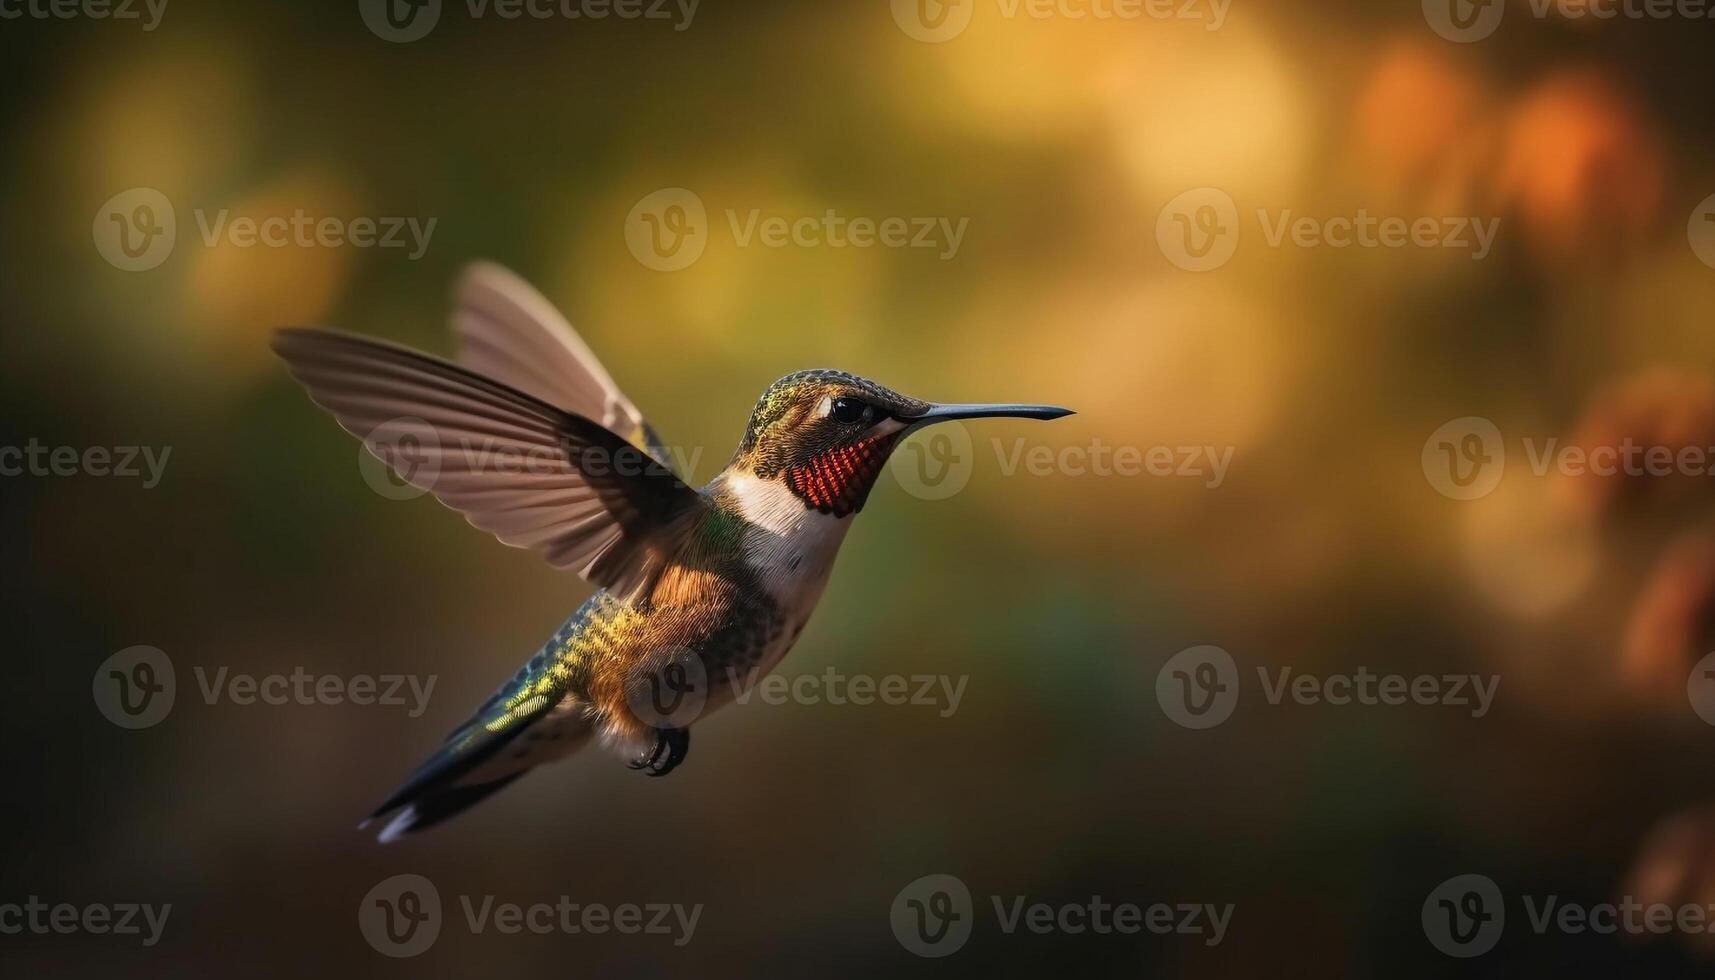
x=848 y=410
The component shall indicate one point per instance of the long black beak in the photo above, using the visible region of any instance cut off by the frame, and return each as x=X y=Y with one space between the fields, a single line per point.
x=946 y=413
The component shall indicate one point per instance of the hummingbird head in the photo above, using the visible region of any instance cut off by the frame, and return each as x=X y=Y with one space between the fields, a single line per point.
x=826 y=434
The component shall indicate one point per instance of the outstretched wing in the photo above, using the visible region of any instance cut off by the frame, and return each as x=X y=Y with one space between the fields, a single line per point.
x=510 y=332
x=533 y=475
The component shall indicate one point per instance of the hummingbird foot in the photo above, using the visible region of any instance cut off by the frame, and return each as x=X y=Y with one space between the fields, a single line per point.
x=675 y=742
x=646 y=761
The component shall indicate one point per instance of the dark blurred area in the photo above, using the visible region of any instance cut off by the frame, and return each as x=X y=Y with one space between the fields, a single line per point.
x=1062 y=141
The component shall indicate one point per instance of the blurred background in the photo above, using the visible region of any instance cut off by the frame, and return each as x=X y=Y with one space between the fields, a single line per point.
x=1062 y=142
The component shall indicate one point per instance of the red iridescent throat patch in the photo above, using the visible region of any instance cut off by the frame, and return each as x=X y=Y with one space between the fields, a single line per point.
x=838 y=481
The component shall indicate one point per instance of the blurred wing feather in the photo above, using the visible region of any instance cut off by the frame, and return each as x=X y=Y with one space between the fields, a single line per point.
x=529 y=473
x=509 y=331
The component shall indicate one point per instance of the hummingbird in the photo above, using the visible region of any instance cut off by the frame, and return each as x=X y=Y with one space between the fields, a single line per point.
x=528 y=436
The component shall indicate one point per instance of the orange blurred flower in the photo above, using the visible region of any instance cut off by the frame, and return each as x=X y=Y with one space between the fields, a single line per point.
x=1672 y=408
x=1676 y=866
x=1582 y=168
x=1669 y=627
x=1424 y=121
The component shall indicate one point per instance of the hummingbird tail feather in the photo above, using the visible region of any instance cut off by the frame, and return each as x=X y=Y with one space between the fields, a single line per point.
x=529 y=721
x=478 y=760
x=436 y=806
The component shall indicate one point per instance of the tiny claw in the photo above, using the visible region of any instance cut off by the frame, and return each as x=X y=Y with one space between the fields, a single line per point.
x=675 y=742
x=678 y=742
x=648 y=762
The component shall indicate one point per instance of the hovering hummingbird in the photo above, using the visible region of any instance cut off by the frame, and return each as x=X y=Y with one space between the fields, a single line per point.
x=691 y=583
